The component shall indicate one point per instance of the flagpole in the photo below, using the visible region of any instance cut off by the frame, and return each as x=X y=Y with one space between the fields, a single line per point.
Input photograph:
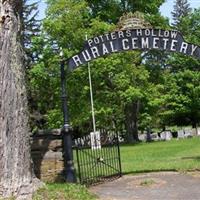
x=91 y=95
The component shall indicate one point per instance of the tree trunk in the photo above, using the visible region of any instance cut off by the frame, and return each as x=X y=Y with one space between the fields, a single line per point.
x=194 y=126
x=131 y=113
x=16 y=178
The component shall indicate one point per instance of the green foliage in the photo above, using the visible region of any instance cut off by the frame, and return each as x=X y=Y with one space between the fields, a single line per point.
x=105 y=10
x=66 y=23
x=116 y=82
x=190 y=27
x=145 y=6
x=111 y=10
x=117 y=79
x=163 y=85
x=181 y=104
x=44 y=81
x=182 y=99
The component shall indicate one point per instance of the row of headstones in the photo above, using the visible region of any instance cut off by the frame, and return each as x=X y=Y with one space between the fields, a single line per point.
x=168 y=135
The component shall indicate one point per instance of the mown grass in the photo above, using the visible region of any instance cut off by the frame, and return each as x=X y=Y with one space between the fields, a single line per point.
x=63 y=191
x=175 y=155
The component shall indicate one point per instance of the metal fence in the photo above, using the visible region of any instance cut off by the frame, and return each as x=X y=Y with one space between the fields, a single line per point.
x=97 y=158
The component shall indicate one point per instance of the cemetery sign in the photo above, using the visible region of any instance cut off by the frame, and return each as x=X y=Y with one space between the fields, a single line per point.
x=133 y=39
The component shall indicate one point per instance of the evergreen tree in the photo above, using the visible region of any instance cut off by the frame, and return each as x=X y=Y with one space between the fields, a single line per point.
x=181 y=9
x=30 y=28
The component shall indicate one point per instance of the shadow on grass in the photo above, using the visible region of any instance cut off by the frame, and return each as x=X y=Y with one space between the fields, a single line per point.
x=139 y=143
x=197 y=158
x=148 y=171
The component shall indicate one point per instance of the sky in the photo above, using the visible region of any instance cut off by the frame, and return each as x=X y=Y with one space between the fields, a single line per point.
x=165 y=9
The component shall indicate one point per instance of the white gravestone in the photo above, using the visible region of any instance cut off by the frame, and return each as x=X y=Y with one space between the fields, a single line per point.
x=168 y=135
x=95 y=140
x=198 y=131
x=188 y=133
x=181 y=134
x=142 y=137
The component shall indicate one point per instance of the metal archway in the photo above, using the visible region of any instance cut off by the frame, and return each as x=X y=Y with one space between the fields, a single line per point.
x=134 y=39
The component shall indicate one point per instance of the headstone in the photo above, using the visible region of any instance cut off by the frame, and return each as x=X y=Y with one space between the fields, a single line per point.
x=188 y=132
x=163 y=135
x=194 y=131
x=198 y=131
x=168 y=135
x=142 y=137
x=95 y=140
x=181 y=133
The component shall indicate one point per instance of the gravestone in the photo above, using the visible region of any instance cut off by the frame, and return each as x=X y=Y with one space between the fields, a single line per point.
x=194 y=131
x=162 y=136
x=181 y=133
x=188 y=133
x=198 y=131
x=95 y=140
x=166 y=135
x=142 y=137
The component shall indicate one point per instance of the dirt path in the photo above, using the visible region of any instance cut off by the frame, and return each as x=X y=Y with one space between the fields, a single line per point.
x=151 y=186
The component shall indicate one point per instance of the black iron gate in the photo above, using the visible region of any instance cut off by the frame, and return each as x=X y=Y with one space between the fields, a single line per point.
x=97 y=158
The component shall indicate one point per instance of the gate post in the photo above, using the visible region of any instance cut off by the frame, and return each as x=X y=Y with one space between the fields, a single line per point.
x=70 y=175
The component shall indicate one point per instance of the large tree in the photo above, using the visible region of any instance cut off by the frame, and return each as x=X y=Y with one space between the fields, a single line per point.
x=115 y=78
x=182 y=85
x=181 y=98
x=16 y=178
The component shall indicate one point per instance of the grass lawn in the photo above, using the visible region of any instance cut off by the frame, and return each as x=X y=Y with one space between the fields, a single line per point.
x=63 y=191
x=179 y=155
x=175 y=155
